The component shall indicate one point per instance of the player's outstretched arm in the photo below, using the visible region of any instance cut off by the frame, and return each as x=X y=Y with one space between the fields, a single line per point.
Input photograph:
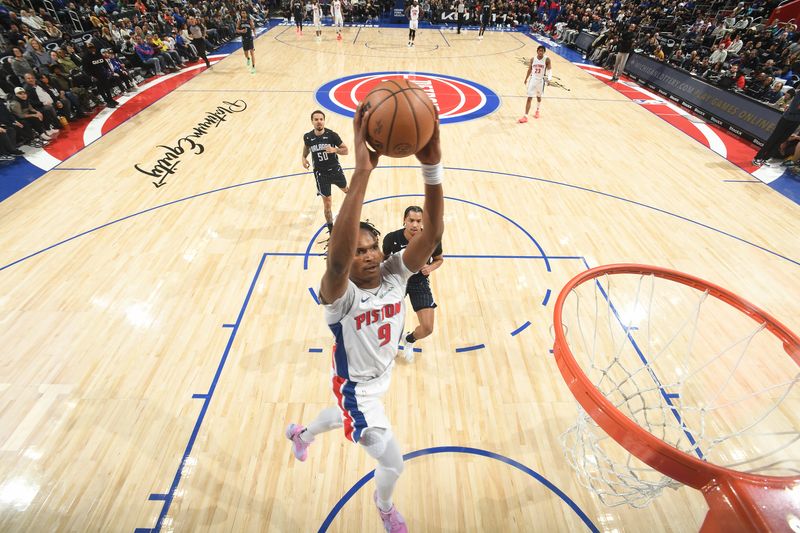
x=342 y=246
x=306 y=151
x=421 y=247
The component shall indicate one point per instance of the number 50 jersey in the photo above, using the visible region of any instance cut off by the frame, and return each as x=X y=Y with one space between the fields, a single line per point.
x=368 y=324
x=323 y=161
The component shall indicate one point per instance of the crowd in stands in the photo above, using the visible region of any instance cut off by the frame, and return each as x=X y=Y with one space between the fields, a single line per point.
x=727 y=45
x=60 y=65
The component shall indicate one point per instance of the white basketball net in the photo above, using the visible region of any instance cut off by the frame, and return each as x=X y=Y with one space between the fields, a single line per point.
x=690 y=369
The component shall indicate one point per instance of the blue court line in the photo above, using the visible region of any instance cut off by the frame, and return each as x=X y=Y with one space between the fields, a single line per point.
x=155 y=498
x=415 y=350
x=543 y=256
x=519 y=329
x=228 y=325
x=315 y=350
x=149 y=209
x=664 y=394
x=469 y=451
x=310 y=244
x=207 y=401
x=632 y=202
x=199 y=396
x=357 y=34
x=547 y=297
x=42 y=172
x=460 y=169
x=314 y=295
x=673 y=395
x=71 y=168
x=470 y=348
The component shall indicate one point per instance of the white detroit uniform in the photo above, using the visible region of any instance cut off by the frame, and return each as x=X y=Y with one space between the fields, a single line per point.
x=413 y=17
x=338 y=20
x=317 y=14
x=536 y=83
x=367 y=326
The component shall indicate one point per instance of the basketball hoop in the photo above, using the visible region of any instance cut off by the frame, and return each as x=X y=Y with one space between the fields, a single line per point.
x=691 y=387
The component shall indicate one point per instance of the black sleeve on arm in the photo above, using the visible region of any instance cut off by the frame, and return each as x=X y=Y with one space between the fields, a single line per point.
x=387 y=245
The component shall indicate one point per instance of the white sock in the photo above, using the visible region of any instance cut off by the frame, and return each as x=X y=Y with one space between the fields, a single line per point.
x=390 y=466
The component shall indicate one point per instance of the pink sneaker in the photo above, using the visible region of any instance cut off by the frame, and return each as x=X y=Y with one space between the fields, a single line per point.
x=299 y=447
x=392 y=519
x=523 y=120
x=536 y=115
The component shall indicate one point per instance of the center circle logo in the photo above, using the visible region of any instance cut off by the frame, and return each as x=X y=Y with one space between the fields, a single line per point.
x=456 y=99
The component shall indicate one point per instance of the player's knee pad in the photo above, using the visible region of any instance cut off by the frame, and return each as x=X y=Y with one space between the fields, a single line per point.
x=374 y=441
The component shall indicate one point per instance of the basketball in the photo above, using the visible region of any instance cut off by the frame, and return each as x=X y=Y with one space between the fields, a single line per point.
x=401 y=118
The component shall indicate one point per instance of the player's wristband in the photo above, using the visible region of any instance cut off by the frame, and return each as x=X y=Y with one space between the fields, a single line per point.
x=433 y=174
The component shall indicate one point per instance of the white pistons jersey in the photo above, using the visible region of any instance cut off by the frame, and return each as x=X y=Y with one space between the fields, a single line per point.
x=316 y=11
x=536 y=82
x=337 y=11
x=538 y=67
x=413 y=13
x=368 y=324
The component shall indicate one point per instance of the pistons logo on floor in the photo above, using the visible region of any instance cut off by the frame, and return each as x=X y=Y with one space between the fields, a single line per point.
x=456 y=98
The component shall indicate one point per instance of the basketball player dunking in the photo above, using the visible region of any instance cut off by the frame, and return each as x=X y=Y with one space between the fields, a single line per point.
x=316 y=12
x=413 y=22
x=364 y=301
x=419 y=287
x=538 y=76
x=338 y=19
x=246 y=28
x=325 y=147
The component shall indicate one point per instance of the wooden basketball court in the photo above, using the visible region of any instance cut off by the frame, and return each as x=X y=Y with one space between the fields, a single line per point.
x=157 y=340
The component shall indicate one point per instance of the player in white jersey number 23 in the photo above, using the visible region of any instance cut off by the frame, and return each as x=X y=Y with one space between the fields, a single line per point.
x=536 y=79
x=364 y=301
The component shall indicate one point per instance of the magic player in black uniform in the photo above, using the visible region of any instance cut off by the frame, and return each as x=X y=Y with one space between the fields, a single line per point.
x=486 y=17
x=325 y=146
x=246 y=28
x=297 y=12
x=418 y=287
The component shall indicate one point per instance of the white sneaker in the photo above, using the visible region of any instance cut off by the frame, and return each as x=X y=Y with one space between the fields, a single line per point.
x=52 y=132
x=408 y=350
